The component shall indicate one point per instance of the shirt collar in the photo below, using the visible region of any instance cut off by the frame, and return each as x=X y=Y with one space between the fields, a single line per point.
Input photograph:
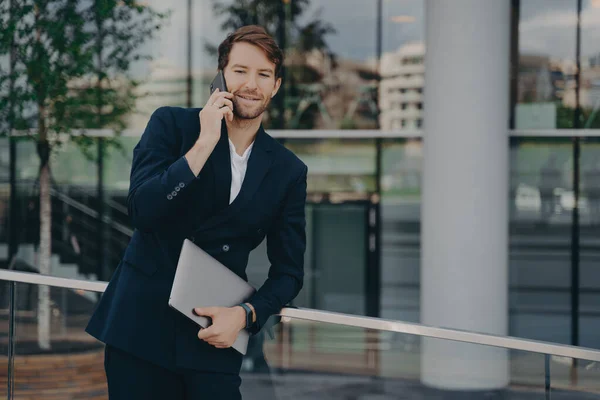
x=243 y=156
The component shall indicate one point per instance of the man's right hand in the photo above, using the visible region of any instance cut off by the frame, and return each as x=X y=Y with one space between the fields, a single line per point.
x=218 y=106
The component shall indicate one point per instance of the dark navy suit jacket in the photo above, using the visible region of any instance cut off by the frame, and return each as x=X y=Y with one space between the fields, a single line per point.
x=168 y=204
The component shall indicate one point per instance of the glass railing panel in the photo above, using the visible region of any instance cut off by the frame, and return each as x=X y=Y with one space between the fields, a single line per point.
x=580 y=379
x=290 y=358
x=310 y=360
x=54 y=356
x=259 y=366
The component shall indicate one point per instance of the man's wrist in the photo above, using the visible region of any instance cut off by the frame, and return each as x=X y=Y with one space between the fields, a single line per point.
x=242 y=313
x=206 y=141
x=253 y=312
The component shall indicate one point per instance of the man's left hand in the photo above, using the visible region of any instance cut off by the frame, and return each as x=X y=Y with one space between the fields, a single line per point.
x=227 y=322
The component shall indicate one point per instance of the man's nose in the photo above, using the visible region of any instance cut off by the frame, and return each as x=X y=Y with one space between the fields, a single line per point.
x=251 y=82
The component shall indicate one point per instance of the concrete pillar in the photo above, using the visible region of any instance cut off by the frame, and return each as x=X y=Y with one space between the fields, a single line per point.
x=464 y=270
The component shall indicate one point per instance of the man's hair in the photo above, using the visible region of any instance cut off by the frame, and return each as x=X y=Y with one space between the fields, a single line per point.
x=257 y=36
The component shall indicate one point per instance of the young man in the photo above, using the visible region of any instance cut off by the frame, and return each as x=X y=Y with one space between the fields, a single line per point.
x=213 y=176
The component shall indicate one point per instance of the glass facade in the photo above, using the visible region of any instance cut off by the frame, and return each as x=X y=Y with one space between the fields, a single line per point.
x=359 y=87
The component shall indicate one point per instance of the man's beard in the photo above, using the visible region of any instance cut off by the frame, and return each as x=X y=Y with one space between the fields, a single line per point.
x=242 y=111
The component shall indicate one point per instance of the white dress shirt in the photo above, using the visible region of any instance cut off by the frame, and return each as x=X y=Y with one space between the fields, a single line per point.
x=239 y=164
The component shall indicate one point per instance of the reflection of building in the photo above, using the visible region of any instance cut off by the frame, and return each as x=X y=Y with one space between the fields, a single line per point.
x=330 y=92
x=166 y=85
x=401 y=89
x=544 y=82
x=589 y=95
x=540 y=85
x=538 y=79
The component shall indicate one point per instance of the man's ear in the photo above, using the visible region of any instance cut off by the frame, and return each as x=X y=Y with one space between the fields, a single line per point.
x=277 y=86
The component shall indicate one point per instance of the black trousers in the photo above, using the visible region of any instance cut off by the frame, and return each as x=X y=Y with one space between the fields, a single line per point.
x=132 y=378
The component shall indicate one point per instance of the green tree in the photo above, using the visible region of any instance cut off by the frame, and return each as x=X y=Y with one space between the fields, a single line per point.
x=68 y=64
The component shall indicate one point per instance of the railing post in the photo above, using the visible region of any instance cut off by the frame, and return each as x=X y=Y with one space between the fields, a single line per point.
x=547 y=375
x=11 y=339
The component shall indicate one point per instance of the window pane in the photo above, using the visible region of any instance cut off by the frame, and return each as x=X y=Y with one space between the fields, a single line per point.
x=541 y=200
x=401 y=229
x=337 y=165
x=402 y=65
x=589 y=95
x=164 y=77
x=547 y=65
x=589 y=237
x=332 y=79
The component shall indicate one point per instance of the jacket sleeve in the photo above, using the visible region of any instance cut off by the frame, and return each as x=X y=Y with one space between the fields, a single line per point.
x=286 y=244
x=158 y=173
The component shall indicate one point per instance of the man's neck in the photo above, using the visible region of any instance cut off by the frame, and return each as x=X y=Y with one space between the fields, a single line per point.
x=242 y=132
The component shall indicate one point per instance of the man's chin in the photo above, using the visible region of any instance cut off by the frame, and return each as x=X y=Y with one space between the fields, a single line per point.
x=248 y=114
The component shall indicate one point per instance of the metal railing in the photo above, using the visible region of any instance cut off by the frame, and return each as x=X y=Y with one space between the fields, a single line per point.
x=379 y=324
x=346 y=133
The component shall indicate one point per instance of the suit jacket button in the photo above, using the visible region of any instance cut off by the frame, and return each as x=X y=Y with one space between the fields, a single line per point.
x=181 y=185
x=225 y=247
x=173 y=193
x=169 y=197
x=177 y=188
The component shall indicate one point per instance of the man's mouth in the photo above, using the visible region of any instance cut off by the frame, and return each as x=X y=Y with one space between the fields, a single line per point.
x=248 y=98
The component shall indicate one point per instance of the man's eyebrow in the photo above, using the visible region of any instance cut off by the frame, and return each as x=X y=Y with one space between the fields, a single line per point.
x=270 y=70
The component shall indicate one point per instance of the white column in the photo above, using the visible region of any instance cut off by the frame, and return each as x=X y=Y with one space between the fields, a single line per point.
x=464 y=271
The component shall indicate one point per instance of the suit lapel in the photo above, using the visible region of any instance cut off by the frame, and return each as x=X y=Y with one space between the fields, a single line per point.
x=221 y=163
x=258 y=165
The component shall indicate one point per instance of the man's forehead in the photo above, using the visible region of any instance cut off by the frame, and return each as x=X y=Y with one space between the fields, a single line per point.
x=239 y=57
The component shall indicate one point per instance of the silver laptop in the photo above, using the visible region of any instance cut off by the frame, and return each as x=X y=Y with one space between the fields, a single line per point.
x=202 y=281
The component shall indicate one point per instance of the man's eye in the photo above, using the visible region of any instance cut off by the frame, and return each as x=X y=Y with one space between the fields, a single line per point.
x=239 y=72
x=264 y=75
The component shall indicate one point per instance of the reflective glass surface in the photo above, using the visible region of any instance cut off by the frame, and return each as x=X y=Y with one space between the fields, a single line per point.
x=54 y=357
x=589 y=236
x=401 y=174
x=345 y=362
x=541 y=204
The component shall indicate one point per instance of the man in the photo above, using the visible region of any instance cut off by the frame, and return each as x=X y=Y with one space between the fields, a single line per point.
x=214 y=176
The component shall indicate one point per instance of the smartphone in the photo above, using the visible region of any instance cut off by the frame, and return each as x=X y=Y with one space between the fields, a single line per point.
x=218 y=82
